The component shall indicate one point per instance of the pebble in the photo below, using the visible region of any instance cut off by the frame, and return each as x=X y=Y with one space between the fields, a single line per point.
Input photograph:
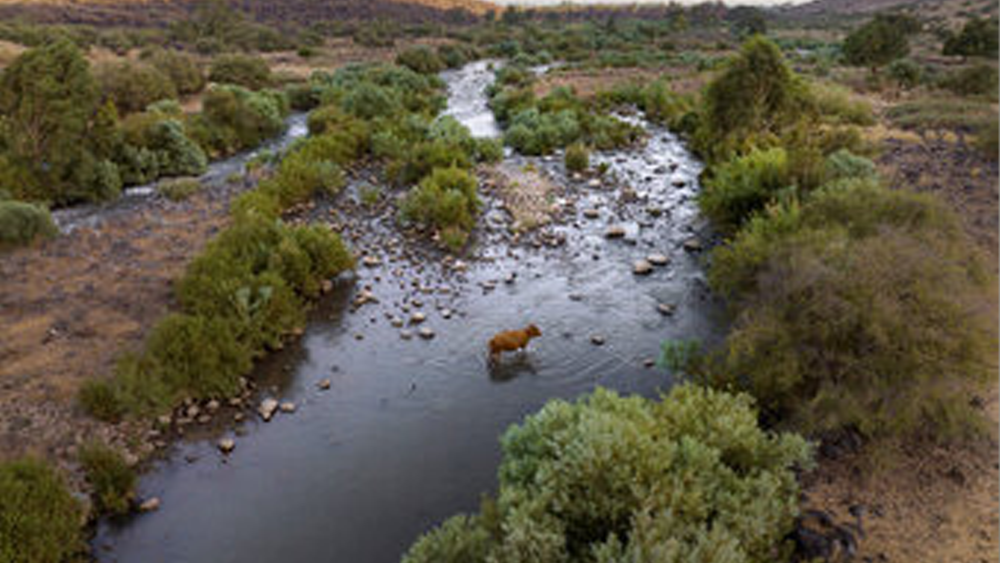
x=591 y=213
x=227 y=445
x=406 y=334
x=417 y=318
x=597 y=340
x=397 y=322
x=150 y=504
x=658 y=259
x=371 y=261
x=692 y=245
x=323 y=384
x=426 y=333
x=288 y=407
x=446 y=314
x=666 y=309
x=615 y=231
x=212 y=405
x=648 y=363
x=642 y=268
x=267 y=408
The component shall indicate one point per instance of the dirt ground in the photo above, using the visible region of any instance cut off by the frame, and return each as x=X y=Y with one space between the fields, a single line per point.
x=72 y=305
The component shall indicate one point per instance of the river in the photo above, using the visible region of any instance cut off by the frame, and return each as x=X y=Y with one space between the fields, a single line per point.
x=407 y=434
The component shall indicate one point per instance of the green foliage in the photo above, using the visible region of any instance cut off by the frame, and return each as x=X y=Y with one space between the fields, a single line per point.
x=978 y=38
x=837 y=105
x=111 y=479
x=457 y=55
x=182 y=69
x=241 y=70
x=22 y=224
x=877 y=43
x=300 y=175
x=615 y=479
x=48 y=98
x=577 y=158
x=743 y=186
x=235 y=118
x=157 y=145
x=98 y=398
x=988 y=140
x=445 y=199
x=421 y=59
x=751 y=103
x=179 y=189
x=859 y=309
x=133 y=86
x=906 y=73
x=40 y=522
x=978 y=80
x=845 y=165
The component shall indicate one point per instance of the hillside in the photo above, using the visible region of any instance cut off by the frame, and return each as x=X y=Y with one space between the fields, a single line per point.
x=944 y=11
x=158 y=12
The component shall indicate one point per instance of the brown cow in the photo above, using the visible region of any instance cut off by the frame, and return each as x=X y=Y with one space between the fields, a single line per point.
x=511 y=340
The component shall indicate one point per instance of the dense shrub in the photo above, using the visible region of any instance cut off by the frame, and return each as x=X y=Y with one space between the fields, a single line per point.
x=988 y=139
x=111 y=480
x=752 y=103
x=577 y=158
x=235 y=118
x=445 y=199
x=691 y=478
x=49 y=99
x=978 y=38
x=421 y=59
x=859 y=309
x=739 y=188
x=241 y=70
x=22 y=224
x=845 y=165
x=906 y=74
x=877 y=43
x=457 y=55
x=157 y=145
x=837 y=105
x=182 y=69
x=40 y=522
x=300 y=175
x=133 y=86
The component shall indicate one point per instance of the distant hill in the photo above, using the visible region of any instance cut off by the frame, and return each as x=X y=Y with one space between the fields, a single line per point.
x=161 y=12
x=947 y=12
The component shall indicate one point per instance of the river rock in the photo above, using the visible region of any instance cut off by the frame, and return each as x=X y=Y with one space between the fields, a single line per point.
x=227 y=445
x=679 y=183
x=267 y=408
x=417 y=317
x=591 y=213
x=447 y=314
x=212 y=405
x=370 y=261
x=397 y=322
x=594 y=183
x=693 y=245
x=150 y=504
x=326 y=286
x=614 y=231
x=406 y=334
x=163 y=420
x=426 y=333
x=193 y=411
x=323 y=384
x=658 y=259
x=288 y=407
x=642 y=268
x=597 y=340
x=666 y=309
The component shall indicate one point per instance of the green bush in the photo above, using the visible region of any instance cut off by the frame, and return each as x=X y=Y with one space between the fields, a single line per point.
x=99 y=399
x=906 y=73
x=299 y=176
x=22 y=224
x=179 y=189
x=577 y=158
x=845 y=165
x=241 y=70
x=133 y=86
x=743 y=186
x=978 y=38
x=421 y=59
x=609 y=478
x=234 y=118
x=111 y=479
x=988 y=140
x=457 y=55
x=182 y=69
x=40 y=522
x=877 y=43
x=157 y=145
x=837 y=105
x=445 y=199
x=859 y=310
x=755 y=100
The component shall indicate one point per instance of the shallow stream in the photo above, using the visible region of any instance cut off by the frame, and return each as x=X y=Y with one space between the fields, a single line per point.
x=407 y=434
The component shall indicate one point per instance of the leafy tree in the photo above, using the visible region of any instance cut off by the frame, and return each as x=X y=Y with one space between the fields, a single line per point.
x=48 y=98
x=39 y=519
x=878 y=42
x=978 y=38
x=746 y=21
x=241 y=70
